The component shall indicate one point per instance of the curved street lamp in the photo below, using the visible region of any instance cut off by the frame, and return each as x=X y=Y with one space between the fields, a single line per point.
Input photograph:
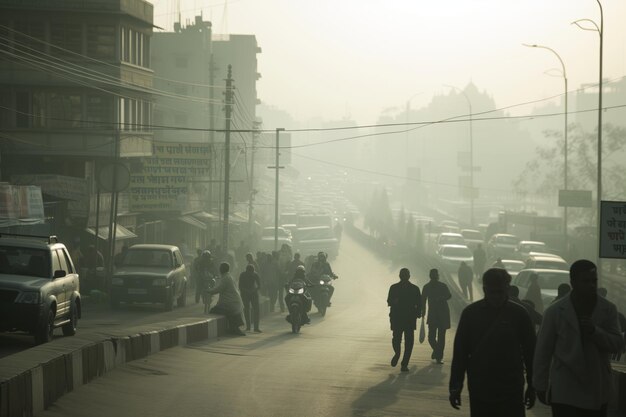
x=471 y=137
x=564 y=129
x=600 y=30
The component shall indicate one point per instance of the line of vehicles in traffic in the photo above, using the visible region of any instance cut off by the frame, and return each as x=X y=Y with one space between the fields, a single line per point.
x=521 y=258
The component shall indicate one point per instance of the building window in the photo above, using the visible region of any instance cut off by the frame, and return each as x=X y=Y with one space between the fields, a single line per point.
x=69 y=37
x=22 y=109
x=65 y=110
x=101 y=41
x=29 y=35
x=99 y=109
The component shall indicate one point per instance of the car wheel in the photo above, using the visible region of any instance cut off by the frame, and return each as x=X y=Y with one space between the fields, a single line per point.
x=44 y=333
x=69 y=329
x=169 y=300
x=182 y=300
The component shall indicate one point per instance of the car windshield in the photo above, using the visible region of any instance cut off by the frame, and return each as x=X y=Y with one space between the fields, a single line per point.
x=533 y=247
x=312 y=234
x=24 y=261
x=551 y=281
x=451 y=240
x=470 y=234
x=507 y=240
x=148 y=257
x=513 y=266
x=457 y=252
x=269 y=232
x=550 y=264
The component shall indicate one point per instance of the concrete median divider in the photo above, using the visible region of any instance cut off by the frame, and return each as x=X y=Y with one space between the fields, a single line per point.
x=32 y=380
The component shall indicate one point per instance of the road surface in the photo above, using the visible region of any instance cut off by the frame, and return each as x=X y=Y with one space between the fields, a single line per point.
x=338 y=366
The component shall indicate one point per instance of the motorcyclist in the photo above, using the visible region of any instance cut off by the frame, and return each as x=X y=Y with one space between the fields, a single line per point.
x=322 y=267
x=205 y=269
x=300 y=275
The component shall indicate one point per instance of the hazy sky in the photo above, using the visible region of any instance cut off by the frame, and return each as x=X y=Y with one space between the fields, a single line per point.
x=354 y=58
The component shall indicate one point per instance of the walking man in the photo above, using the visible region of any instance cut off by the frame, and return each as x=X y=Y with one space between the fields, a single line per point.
x=436 y=294
x=466 y=276
x=480 y=259
x=494 y=344
x=578 y=334
x=405 y=302
x=249 y=286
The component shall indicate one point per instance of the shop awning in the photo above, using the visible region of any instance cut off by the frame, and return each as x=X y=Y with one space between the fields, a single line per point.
x=205 y=217
x=192 y=221
x=121 y=232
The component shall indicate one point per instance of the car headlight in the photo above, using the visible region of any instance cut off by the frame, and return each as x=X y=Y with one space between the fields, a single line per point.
x=28 y=297
x=292 y=291
x=322 y=282
x=117 y=281
x=159 y=282
x=300 y=291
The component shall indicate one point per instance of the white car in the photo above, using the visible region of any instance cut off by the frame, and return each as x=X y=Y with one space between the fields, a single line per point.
x=450 y=239
x=547 y=261
x=451 y=256
x=472 y=237
x=525 y=247
x=513 y=266
x=549 y=281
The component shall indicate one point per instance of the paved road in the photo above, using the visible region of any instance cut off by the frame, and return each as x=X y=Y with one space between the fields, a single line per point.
x=338 y=366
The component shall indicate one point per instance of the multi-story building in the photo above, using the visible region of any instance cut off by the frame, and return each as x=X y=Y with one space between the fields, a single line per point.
x=75 y=94
x=190 y=66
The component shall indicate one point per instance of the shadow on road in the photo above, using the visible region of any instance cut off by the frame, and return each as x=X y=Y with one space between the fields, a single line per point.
x=379 y=396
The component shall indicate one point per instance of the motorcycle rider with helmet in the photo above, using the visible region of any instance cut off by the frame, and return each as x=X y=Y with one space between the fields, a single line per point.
x=300 y=275
x=322 y=267
x=205 y=270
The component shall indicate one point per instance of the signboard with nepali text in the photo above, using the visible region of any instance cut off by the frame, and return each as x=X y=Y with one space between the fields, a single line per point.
x=162 y=183
x=613 y=229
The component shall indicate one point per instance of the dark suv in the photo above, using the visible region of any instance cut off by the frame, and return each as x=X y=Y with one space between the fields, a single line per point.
x=39 y=286
x=150 y=273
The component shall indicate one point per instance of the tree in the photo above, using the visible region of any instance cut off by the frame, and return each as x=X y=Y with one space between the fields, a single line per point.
x=543 y=175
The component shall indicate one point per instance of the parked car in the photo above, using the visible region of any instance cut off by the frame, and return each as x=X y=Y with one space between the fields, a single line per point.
x=150 y=273
x=525 y=247
x=315 y=239
x=549 y=281
x=451 y=256
x=547 y=261
x=502 y=245
x=472 y=237
x=39 y=287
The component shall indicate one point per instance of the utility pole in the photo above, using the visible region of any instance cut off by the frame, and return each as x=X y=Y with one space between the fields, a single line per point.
x=277 y=167
x=255 y=135
x=213 y=167
x=229 y=106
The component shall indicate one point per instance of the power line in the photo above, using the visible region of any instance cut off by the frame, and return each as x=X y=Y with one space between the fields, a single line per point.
x=100 y=61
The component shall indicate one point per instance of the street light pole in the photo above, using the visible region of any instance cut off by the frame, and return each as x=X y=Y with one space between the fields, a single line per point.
x=471 y=152
x=406 y=141
x=600 y=31
x=565 y=150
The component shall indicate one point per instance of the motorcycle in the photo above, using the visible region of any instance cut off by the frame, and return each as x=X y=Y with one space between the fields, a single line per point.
x=321 y=293
x=207 y=281
x=297 y=305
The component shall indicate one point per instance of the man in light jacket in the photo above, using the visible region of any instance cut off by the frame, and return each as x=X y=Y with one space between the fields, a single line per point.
x=572 y=370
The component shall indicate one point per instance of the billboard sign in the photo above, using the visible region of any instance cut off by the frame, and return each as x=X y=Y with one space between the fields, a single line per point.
x=613 y=229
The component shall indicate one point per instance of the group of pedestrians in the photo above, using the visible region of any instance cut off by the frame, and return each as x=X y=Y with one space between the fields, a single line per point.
x=407 y=303
x=566 y=365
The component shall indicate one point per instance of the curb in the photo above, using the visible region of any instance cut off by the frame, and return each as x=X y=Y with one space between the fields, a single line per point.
x=62 y=366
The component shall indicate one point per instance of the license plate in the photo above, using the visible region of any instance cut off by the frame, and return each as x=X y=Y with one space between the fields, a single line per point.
x=137 y=291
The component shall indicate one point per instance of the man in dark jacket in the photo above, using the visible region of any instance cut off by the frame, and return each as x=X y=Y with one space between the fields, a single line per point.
x=249 y=286
x=494 y=344
x=437 y=294
x=406 y=307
